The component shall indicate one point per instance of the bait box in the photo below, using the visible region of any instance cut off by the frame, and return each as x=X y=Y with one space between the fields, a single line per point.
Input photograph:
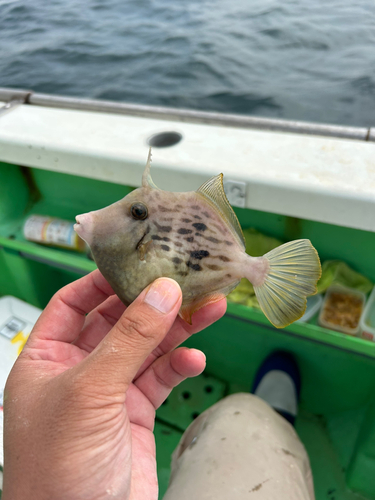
x=367 y=321
x=341 y=290
x=313 y=304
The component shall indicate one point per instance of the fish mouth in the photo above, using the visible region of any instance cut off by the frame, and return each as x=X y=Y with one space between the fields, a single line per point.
x=83 y=227
x=143 y=237
x=77 y=226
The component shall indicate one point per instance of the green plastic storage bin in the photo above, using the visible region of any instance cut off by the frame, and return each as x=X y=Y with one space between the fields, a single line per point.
x=337 y=411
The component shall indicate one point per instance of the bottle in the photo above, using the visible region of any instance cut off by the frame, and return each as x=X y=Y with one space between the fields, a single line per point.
x=53 y=231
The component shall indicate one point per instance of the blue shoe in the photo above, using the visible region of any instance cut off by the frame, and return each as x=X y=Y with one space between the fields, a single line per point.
x=278 y=382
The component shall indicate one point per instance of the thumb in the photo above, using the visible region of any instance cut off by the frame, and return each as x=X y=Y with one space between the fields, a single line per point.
x=137 y=333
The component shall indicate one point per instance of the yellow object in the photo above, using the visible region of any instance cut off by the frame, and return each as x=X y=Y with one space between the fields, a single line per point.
x=22 y=338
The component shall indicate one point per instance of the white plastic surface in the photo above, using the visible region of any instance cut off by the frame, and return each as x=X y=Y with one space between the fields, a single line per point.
x=15 y=316
x=318 y=178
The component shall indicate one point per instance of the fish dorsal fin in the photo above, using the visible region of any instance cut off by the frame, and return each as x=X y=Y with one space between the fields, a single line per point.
x=147 y=181
x=213 y=190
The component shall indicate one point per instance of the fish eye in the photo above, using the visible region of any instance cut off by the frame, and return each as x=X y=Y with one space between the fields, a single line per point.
x=139 y=211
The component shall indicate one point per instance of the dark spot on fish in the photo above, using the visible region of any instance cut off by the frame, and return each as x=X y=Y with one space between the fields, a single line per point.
x=166 y=239
x=156 y=237
x=223 y=439
x=206 y=214
x=190 y=239
x=229 y=243
x=183 y=230
x=199 y=226
x=213 y=267
x=176 y=260
x=195 y=267
x=157 y=195
x=195 y=207
x=179 y=206
x=228 y=275
x=165 y=247
x=177 y=244
x=165 y=209
x=223 y=258
x=163 y=229
x=183 y=273
x=212 y=239
x=186 y=220
x=236 y=413
x=197 y=217
x=199 y=254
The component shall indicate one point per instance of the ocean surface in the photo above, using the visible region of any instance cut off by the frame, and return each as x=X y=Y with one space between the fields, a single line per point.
x=294 y=59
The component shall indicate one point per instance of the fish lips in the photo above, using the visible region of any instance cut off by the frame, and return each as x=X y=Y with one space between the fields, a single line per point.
x=84 y=227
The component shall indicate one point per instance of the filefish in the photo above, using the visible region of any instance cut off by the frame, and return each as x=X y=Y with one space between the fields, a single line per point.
x=194 y=238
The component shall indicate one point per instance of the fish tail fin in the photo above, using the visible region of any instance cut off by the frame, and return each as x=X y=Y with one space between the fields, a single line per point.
x=292 y=273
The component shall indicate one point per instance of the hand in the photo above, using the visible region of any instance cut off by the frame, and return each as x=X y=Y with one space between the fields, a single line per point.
x=80 y=401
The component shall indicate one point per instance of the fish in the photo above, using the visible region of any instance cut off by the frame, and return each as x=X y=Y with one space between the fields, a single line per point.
x=196 y=239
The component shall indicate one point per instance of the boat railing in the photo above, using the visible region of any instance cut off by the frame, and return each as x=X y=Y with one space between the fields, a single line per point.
x=14 y=97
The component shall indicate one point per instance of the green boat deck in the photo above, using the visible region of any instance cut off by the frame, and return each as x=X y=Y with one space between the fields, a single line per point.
x=337 y=410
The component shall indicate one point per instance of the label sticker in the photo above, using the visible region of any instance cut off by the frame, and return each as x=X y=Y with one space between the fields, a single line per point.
x=12 y=327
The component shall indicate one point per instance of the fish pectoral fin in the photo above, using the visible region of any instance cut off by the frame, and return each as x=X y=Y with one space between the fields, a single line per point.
x=187 y=310
x=143 y=248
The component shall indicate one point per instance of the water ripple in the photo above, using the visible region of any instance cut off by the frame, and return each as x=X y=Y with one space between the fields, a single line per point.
x=299 y=60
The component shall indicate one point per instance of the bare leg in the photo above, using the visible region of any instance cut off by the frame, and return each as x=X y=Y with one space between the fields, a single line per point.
x=239 y=447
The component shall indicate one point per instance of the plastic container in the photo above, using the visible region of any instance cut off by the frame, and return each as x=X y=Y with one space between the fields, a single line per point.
x=337 y=421
x=367 y=321
x=312 y=307
x=342 y=309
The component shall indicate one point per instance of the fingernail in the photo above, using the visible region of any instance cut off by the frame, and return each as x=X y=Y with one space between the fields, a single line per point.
x=163 y=295
x=198 y=352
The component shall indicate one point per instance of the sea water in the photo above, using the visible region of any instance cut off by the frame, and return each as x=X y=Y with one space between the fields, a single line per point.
x=294 y=59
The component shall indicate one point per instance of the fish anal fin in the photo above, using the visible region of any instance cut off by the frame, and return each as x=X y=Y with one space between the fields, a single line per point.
x=213 y=191
x=187 y=310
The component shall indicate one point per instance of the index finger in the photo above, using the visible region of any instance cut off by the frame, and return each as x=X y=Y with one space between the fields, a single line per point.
x=181 y=331
x=65 y=313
